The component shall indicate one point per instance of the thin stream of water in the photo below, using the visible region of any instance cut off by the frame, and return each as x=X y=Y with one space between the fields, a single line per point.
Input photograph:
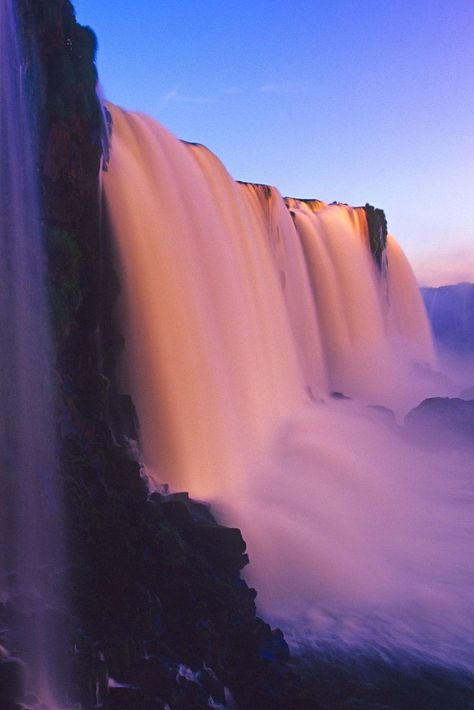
x=30 y=514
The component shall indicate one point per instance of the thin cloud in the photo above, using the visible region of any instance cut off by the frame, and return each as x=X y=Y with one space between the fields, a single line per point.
x=175 y=96
x=166 y=98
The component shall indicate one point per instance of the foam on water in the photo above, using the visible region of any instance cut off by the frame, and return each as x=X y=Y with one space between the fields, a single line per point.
x=241 y=314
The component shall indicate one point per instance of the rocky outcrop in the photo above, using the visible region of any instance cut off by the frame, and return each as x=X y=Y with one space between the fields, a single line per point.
x=163 y=609
x=12 y=681
x=159 y=613
x=451 y=313
x=443 y=421
x=377 y=227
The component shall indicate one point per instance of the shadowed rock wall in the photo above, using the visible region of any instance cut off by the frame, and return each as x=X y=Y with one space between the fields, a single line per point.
x=451 y=312
x=157 y=601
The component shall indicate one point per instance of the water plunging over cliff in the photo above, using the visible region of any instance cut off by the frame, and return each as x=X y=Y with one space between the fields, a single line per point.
x=241 y=314
x=30 y=512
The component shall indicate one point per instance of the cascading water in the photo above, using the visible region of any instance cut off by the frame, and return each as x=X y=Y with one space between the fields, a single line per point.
x=29 y=515
x=241 y=315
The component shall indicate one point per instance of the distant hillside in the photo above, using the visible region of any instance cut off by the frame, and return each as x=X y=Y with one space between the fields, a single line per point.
x=451 y=312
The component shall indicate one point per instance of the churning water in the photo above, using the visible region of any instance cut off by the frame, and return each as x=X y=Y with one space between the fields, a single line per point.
x=242 y=313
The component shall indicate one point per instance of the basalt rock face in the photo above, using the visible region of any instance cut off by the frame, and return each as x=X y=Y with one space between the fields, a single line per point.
x=165 y=613
x=451 y=312
x=377 y=227
x=12 y=680
x=443 y=421
x=60 y=65
x=159 y=613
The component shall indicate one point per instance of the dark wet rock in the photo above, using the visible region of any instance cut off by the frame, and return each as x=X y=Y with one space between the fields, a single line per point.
x=451 y=312
x=123 y=418
x=12 y=680
x=156 y=584
x=377 y=228
x=443 y=421
x=158 y=603
x=339 y=395
x=155 y=674
x=177 y=514
x=224 y=547
x=274 y=647
x=132 y=699
x=212 y=686
x=89 y=674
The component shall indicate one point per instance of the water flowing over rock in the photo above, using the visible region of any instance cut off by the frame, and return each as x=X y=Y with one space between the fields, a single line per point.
x=158 y=614
x=241 y=313
x=31 y=519
x=265 y=343
x=239 y=309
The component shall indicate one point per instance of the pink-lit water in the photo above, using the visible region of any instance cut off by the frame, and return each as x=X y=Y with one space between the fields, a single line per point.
x=30 y=519
x=241 y=315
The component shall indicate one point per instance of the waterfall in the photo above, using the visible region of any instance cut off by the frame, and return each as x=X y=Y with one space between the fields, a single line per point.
x=241 y=314
x=29 y=516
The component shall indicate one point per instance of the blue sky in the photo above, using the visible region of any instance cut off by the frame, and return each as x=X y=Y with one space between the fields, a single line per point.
x=350 y=100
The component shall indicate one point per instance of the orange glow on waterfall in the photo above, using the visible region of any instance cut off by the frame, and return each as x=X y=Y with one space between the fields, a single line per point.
x=238 y=307
x=241 y=313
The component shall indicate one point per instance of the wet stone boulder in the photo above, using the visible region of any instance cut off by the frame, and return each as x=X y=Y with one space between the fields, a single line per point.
x=442 y=421
x=12 y=681
x=451 y=313
x=155 y=582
